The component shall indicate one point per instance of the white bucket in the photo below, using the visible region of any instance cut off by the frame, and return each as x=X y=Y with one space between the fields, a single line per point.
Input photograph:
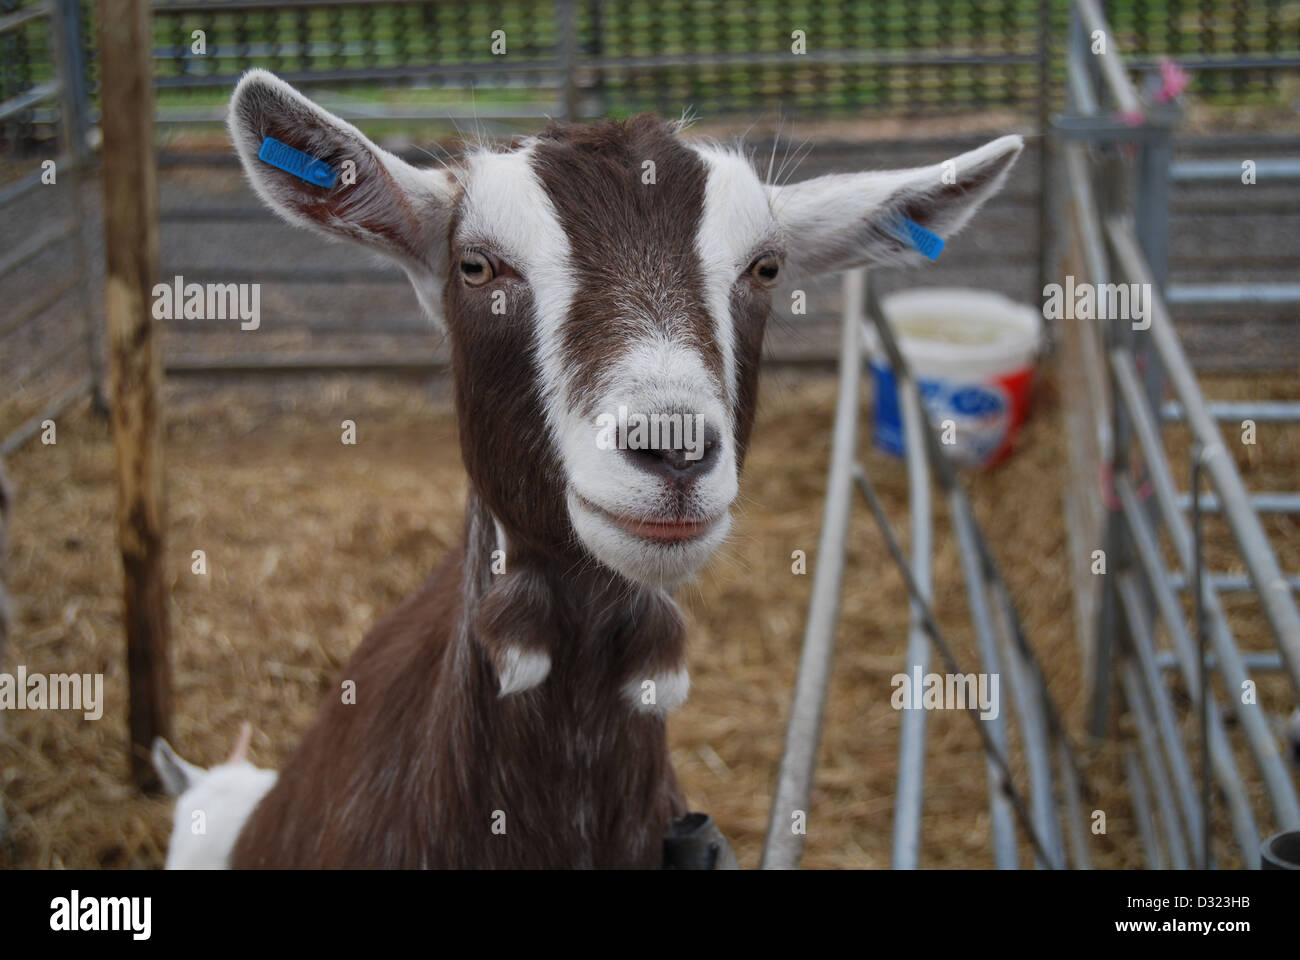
x=972 y=352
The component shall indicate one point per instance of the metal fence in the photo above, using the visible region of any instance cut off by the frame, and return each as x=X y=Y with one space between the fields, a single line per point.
x=1125 y=370
x=59 y=362
x=1117 y=146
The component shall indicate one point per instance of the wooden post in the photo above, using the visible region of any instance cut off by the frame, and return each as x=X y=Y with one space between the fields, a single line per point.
x=135 y=361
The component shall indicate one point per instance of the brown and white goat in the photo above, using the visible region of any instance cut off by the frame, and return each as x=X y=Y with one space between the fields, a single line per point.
x=516 y=718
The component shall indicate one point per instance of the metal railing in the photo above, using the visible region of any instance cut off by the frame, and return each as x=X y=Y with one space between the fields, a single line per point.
x=1125 y=373
x=67 y=91
x=1129 y=366
x=1049 y=817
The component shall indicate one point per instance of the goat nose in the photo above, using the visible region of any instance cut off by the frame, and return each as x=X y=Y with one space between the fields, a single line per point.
x=682 y=458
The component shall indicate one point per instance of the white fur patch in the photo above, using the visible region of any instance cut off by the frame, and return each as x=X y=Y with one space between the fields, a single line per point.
x=521 y=670
x=670 y=691
x=735 y=226
x=218 y=802
x=653 y=375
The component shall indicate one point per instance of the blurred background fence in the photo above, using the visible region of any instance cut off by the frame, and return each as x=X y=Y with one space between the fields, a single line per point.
x=878 y=84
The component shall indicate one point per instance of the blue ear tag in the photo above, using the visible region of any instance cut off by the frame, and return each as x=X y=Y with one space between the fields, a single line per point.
x=292 y=160
x=930 y=245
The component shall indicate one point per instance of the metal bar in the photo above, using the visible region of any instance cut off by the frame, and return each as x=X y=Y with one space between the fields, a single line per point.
x=568 y=55
x=1000 y=813
x=845 y=57
x=1093 y=245
x=909 y=793
x=395 y=325
x=1079 y=86
x=554 y=68
x=1046 y=182
x=1251 y=659
x=1275 y=595
x=1259 y=502
x=35 y=245
x=1233 y=583
x=1220 y=63
x=1152 y=218
x=431 y=112
x=1142 y=811
x=27 y=430
x=1156 y=775
x=173 y=7
x=1266 y=168
x=73 y=107
x=27 y=183
x=1222 y=758
x=46 y=359
x=1232 y=293
x=1112 y=68
x=346 y=275
x=783 y=847
x=1033 y=737
x=1154 y=693
x=29 y=98
x=19 y=18
x=1203 y=669
x=36 y=307
x=1074 y=820
x=1261 y=411
x=322 y=363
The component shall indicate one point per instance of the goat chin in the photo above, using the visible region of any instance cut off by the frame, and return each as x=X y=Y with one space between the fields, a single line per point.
x=211 y=813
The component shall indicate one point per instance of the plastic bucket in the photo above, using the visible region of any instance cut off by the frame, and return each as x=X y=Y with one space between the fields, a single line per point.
x=972 y=352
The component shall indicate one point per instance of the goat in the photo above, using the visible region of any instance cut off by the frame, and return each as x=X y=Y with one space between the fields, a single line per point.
x=211 y=805
x=512 y=712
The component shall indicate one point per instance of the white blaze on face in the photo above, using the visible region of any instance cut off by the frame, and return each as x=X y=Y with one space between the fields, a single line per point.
x=506 y=208
x=735 y=227
x=653 y=375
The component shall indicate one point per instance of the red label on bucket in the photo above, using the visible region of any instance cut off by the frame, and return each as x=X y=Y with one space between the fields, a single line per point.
x=978 y=421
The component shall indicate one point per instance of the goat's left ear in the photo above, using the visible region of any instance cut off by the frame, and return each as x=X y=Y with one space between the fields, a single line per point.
x=376 y=199
x=851 y=220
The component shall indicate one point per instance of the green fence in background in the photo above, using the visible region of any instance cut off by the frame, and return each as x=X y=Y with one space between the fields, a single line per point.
x=404 y=58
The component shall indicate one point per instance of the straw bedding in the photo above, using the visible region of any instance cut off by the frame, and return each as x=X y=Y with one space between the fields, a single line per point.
x=308 y=541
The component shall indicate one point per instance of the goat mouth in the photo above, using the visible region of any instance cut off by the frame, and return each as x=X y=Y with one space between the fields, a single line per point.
x=656 y=529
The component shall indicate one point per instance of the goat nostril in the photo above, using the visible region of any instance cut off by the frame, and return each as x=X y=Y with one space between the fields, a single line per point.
x=680 y=461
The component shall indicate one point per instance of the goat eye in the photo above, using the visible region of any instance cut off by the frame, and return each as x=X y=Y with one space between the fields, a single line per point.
x=475 y=267
x=765 y=268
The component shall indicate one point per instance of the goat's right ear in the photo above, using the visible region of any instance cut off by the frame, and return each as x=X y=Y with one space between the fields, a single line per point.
x=377 y=199
x=177 y=776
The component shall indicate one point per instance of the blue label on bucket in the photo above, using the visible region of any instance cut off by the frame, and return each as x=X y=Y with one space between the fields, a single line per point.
x=979 y=415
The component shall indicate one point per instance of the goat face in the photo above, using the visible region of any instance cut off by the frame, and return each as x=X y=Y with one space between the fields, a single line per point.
x=605 y=288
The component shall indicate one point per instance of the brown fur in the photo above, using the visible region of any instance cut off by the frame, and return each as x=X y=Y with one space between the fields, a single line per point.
x=412 y=774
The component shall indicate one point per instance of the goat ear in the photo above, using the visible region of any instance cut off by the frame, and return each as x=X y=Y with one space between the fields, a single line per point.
x=177 y=775
x=377 y=199
x=850 y=220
